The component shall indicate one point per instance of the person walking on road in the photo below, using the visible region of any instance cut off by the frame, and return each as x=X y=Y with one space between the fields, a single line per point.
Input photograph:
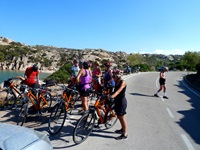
x=162 y=82
x=120 y=104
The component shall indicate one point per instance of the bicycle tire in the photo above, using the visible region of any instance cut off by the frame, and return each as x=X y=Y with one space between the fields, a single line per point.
x=57 y=118
x=21 y=117
x=111 y=119
x=84 y=127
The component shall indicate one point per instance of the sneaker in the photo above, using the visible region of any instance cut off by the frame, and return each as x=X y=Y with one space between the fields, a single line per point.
x=156 y=95
x=121 y=137
x=165 y=97
x=119 y=131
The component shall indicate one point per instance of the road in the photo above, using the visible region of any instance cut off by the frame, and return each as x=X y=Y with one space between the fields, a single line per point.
x=154 y=123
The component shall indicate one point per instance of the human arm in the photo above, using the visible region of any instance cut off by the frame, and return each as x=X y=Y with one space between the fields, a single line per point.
x=123 y=84
x=100 y=72
x=79 y=75
x=19 y=77
x=111 y=76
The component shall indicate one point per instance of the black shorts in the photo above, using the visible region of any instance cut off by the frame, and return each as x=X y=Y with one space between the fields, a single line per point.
x=120 y=106
x=162 y=81
x=84 y=93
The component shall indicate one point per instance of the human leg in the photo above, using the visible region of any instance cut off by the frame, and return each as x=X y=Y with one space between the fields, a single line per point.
x=123 y=130
x=164 y=90
x=123 y=124
x=85 y=103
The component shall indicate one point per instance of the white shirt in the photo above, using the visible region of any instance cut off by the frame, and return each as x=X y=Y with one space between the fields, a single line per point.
x=75 y=70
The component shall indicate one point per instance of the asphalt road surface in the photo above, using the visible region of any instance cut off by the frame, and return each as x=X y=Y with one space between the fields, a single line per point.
x=154 y=123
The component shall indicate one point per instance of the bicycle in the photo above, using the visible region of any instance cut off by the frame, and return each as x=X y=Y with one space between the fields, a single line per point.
x=102 y=109
x=41 y=102
x=13 y=95
x=66 y=104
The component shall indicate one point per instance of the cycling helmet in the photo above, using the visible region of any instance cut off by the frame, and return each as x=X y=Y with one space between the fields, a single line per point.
x=86 y=64
x=107 y=64
x=117 y=73
x=35 y=67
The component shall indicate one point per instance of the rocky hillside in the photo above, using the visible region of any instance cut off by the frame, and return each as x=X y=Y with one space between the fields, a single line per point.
x=17 y=56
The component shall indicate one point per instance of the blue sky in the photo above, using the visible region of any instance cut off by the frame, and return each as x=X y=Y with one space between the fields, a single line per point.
x=131 y=26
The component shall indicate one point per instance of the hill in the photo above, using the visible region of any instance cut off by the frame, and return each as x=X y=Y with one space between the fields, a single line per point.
x=18 y=56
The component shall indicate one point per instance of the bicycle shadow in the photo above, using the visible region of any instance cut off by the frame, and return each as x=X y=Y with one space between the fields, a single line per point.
x=8 y=116
x=104 y=133
x=190 y=121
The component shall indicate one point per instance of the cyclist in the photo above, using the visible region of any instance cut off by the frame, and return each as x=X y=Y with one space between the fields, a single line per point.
x=31 y=76
x=85 y=78
x=96 y=75
x=108 y=78
x=120 y=104
x=162 y=82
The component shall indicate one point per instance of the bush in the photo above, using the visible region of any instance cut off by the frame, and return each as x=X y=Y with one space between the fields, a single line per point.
x=62 y=75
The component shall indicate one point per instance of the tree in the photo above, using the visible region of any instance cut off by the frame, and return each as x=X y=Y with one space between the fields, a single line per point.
x=135 y=59
x=191 y=59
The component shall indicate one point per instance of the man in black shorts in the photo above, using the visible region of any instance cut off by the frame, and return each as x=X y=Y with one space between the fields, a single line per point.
x=162 y=82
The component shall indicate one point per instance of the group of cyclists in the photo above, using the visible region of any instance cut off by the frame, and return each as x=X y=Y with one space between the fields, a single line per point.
x=85 y=79
x=84 y=76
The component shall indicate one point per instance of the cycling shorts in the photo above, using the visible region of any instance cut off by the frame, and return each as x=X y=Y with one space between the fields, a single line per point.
x=162 y=81
x=120 y=106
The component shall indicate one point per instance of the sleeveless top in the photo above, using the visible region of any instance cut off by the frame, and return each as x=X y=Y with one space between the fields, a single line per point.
x=96 y=71
x=107 y=77
x=122 y=93
x=86 y=80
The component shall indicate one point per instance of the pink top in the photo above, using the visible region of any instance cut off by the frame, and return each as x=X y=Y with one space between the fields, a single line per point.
x=96 y=71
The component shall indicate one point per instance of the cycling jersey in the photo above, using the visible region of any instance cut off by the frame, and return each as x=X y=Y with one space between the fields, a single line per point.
x=86 y=80
x=31 y=76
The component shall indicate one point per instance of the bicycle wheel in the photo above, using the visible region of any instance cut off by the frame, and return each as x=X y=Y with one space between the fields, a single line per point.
x=84 y=127
x=111 y=119
x=23 y=113
x=57 y=118
x=46 y=107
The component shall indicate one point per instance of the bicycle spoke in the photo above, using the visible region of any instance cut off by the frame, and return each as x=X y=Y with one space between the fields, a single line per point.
x=83 y=128
x=21 y=118
x=111 y=119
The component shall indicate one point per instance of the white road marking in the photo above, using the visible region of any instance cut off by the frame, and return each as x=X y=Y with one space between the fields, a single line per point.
x=162 y=99
x=187 y=142
x=170 y=113
x=191 y=89
x=127 y=77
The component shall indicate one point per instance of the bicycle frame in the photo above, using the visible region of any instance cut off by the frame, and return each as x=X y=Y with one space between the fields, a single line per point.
x=13 y=87
x=33 y=97
x=100 y=106
x=67 y=98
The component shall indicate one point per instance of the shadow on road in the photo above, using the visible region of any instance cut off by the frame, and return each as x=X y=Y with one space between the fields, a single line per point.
x=191 y=120
x=140 y=94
